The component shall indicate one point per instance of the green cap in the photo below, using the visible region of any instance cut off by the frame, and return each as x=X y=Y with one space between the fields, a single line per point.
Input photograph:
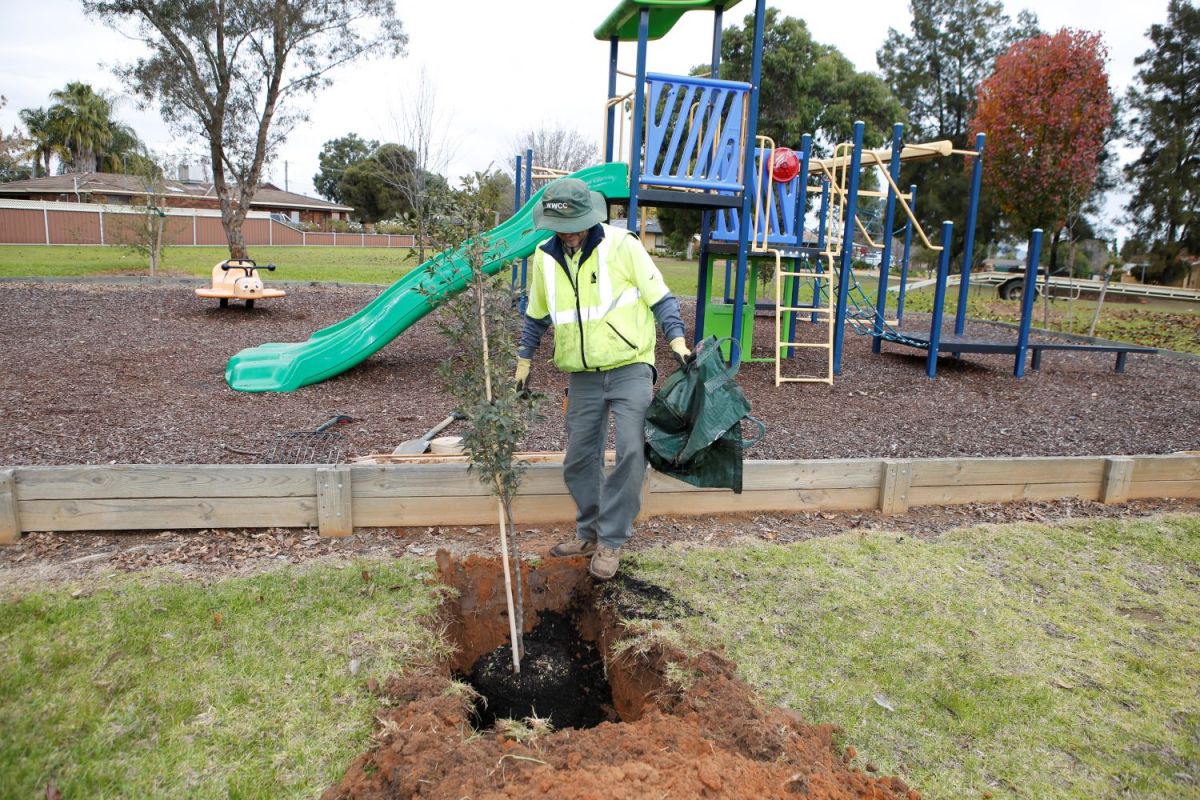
x=568 y=206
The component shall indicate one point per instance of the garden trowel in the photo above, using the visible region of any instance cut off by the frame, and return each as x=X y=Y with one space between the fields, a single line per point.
x=414 y=447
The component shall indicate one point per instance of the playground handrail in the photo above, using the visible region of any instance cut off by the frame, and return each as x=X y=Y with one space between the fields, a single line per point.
x=911 y=152
x=619 y=136
x=833 y=167
x=767 y=145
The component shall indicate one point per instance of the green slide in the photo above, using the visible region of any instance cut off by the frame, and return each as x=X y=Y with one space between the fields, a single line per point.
x=330 y=351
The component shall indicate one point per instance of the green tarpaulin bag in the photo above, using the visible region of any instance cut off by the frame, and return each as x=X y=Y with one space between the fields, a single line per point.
x=694 y=423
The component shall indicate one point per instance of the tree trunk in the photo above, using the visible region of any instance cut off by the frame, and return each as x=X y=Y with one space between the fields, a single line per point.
x=233 y=210
x=1100 y=302
x=232 y=218
x=156 y=245
x=518 y=592
x=237 y=240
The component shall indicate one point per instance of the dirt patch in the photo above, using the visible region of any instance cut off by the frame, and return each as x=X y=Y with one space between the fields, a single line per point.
x=47 y=558
x=710 y=738
x=635 y=599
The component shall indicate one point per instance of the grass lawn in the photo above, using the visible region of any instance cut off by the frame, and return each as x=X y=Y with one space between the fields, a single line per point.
x=172 y=689
x=1020 y=660
x=341 y=264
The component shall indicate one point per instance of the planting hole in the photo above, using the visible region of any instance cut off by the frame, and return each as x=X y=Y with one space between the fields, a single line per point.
x=571 y=625
x=562 y=680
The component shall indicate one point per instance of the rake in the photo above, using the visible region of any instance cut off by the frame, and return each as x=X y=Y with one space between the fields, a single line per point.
x=318 y=446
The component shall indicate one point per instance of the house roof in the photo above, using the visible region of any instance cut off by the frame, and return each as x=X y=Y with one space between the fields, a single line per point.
x=113 y=183
x=271 y=195
x=652 y=225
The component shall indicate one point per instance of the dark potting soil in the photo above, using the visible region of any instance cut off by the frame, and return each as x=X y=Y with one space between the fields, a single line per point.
x=561 y=680
x=634 y=598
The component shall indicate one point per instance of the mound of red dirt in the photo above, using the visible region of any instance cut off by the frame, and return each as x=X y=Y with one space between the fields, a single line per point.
x=706 y=735
x=711 y=741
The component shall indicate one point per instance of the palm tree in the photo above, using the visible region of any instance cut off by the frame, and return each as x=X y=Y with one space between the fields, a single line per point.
x=41 y=133
x=125 y=152
x=81 y=122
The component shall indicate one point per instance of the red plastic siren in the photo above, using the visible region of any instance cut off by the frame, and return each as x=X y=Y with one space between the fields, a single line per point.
x=785 y=165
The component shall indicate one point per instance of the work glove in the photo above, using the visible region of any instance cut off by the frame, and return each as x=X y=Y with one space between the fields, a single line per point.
x=680 y=349
x=522 y=374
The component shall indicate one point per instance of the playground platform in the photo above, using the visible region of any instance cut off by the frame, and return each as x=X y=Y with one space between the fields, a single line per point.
x=951 y=343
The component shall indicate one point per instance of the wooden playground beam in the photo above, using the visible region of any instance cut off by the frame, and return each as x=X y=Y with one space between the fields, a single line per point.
x=882 y=157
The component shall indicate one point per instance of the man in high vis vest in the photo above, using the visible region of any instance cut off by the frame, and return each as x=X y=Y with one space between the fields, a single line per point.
x=599 y=288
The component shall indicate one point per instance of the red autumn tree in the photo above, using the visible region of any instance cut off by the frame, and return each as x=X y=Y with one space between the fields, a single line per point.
x=1046 y=110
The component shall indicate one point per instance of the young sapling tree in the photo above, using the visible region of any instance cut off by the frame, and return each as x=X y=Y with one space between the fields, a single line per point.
x=143 y=229
x=477 y=317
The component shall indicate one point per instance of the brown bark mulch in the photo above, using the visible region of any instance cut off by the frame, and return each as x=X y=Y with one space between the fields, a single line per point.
x=98 y=374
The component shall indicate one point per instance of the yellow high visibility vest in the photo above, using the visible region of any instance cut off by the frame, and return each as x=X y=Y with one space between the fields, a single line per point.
x=600 y=309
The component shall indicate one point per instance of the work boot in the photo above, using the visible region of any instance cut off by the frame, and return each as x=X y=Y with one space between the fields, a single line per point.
x=574 y=547
x=605 y=562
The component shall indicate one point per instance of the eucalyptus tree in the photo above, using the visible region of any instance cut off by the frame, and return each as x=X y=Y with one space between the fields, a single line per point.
x=233 y=72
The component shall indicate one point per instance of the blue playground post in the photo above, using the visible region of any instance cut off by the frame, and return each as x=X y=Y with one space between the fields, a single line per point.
x=703 y=276
x=1032 y=259
x=639 y=121
x=822 y=217
x=528 y=174
x=849 y=211
x=748 y=174
x=610 y=122
x=908 y=236
x=939 y=299
x=960 y=316
x=528 y=194
x=801 y=205
x=718 y=14
x=704 y=272
x=889 y=219
x=516 y=205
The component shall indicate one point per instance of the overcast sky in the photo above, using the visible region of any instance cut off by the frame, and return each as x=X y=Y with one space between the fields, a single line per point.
x=498 y=67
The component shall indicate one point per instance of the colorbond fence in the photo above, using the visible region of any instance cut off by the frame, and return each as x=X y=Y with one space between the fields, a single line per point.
x=336 y=499
x=36 y=222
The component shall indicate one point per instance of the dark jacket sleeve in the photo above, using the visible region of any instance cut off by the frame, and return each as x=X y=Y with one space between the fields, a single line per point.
x=531 y=335
x=666 y=311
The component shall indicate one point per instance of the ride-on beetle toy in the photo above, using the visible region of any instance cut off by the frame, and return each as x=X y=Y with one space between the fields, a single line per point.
x=238 y=279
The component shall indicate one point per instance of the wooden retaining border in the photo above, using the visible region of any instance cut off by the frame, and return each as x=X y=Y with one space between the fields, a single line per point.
x=336 y=499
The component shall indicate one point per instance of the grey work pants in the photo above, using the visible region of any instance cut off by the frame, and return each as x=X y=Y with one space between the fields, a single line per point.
x=607 y=505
